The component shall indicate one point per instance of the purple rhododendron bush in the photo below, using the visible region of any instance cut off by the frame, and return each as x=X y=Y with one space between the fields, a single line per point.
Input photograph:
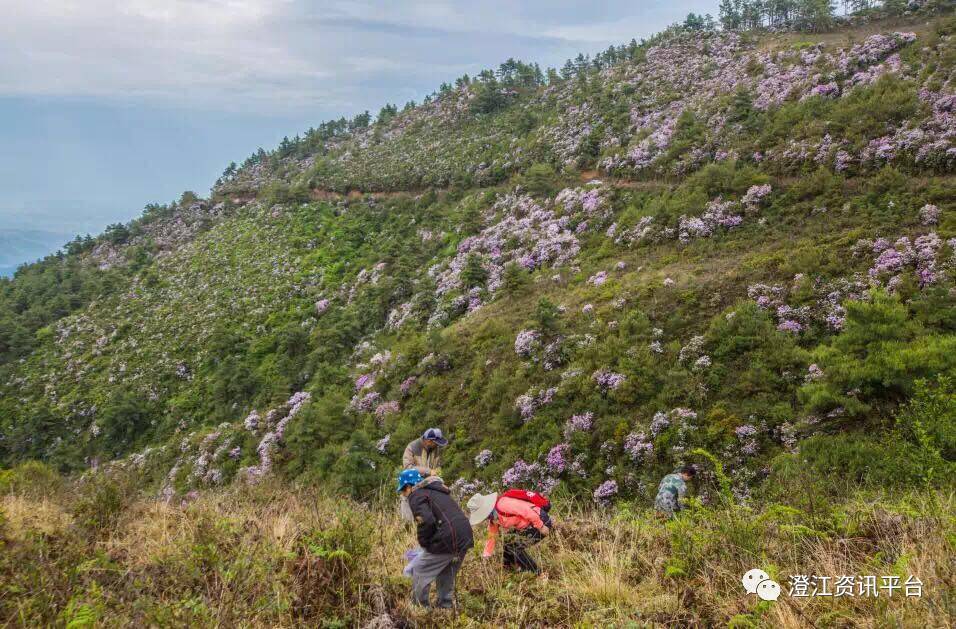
x=722 y=248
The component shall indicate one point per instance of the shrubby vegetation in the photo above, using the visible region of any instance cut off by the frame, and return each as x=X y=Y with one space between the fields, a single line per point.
x=88 y=552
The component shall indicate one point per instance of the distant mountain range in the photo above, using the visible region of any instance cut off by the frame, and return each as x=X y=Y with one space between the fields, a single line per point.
x=26 y=245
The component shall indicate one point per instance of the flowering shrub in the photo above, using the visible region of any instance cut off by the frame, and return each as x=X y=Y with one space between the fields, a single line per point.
x=277 y=420
x=557 y=459
x=579 y=423
x=789 y=325
x=365 y=381
x=526 y=342
x=588 y=200
x=638 y=447
x=386 y=408
x=755 y=196
x=406 y=387
x=715 y=216
x=929 y=214
x=605 y=492
x=518 y=473
x=607 y=380
x=530 y=402
x=483 y=458
x=598 y=279
x=692 y=350
x=919 y=255
x=365 y=403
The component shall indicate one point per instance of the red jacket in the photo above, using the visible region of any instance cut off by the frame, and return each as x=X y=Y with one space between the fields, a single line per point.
x=512 y=514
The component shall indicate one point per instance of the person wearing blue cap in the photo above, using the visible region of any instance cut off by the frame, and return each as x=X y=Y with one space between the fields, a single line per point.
x=444 y=533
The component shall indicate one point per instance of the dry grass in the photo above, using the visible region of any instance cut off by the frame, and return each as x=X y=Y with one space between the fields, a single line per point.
x=276 y=557
x=33 y=515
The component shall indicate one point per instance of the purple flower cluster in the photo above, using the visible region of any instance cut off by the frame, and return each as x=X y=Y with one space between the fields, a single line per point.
x=830 y=89
x=528 y=403
x=406 y=387
x=365 y=381
x=692 y=350
x=789 y=325
x=483 y=458
x=598 y=279
x=529 y=475
x=755 y=196
x=519 y=473
x=919 y=255
x=365 y=403
x=718 y=214
x=382 y=444
x=605 y=492
x=683 y=414
x=659 y=423
x=278 y=419
x=813 y=373
x=183 y=372
x=579 y=423
x=638 y=447
x=794 y=320
x=929 y=214
x=527 y=342
x=607 y=380
x=745 y=432
x=252 y=420
x=745 y=435
x=462 y=488
x=385 y=409
x=557 y=459
x=519 y=230
x=587 y=199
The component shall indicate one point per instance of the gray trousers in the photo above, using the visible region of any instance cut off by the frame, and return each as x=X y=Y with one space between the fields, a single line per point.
x=442 y=569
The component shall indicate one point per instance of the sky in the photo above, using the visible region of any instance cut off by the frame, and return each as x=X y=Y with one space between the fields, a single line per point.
x=107 y=106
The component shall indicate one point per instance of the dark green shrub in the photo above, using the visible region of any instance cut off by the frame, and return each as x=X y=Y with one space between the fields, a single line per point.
x=32 y=478
x=864 y=459
x=540 y=180
x=99 y=500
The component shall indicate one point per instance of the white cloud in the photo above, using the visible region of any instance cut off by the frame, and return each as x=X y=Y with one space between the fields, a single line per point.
x=283 y=55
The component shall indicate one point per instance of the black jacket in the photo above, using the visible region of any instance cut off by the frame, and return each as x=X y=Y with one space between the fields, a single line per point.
x=443 y=528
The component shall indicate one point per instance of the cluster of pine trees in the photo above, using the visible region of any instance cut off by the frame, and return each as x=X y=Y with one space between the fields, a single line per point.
x=803 y=15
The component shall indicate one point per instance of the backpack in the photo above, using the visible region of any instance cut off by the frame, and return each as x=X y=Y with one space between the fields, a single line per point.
x=539 y=500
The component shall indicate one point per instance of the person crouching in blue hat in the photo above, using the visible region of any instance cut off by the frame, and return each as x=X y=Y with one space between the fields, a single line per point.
x=444 y=533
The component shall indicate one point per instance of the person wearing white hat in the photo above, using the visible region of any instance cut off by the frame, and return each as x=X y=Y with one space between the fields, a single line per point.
x=519 y=520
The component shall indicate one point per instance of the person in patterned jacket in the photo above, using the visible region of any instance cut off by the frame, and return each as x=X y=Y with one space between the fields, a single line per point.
x=671 y=492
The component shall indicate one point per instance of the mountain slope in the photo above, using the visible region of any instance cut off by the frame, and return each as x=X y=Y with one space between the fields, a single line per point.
x=766 y=263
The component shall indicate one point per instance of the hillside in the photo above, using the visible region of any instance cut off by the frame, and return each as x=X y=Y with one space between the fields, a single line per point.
x=733 y=249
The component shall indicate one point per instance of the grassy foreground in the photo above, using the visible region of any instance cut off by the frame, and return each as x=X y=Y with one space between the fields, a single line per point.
x=96 y=553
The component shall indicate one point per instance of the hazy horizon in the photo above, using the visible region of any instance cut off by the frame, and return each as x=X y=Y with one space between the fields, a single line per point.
x=101 y=121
